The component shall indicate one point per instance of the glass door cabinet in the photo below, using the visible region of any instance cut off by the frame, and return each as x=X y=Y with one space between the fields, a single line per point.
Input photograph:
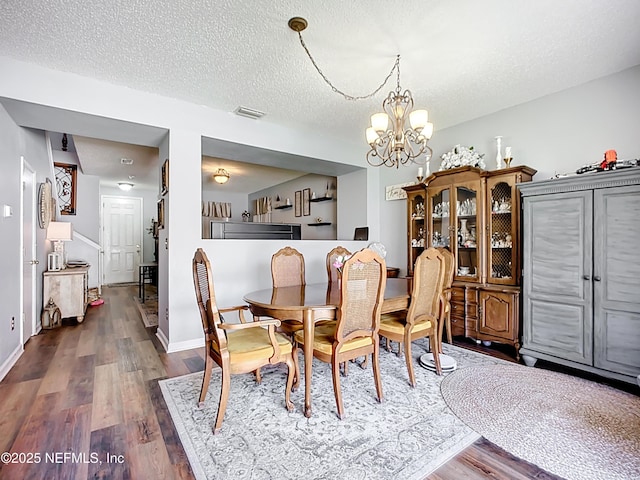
x=476 y=215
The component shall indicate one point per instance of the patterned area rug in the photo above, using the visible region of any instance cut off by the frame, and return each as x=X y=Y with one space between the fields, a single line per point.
x=149 y=309
x=569 y=426
x=407 y=436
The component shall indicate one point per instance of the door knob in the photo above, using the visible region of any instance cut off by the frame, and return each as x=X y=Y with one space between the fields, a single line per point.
x=596 y=278
x=586 y=277
x=34 y=262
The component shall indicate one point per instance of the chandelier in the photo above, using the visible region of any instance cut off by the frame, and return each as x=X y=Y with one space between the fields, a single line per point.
x=398 y=135
x=221 y=176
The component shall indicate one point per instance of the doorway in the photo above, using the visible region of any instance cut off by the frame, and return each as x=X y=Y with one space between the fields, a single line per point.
x=29 y=259
x=121 y=238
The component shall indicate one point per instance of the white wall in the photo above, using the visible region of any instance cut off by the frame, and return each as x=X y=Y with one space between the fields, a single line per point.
x=17 y=142
x=557 y=133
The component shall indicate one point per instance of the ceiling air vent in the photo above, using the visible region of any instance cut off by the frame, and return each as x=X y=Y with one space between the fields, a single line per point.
x=126 y=161
x=248 y=112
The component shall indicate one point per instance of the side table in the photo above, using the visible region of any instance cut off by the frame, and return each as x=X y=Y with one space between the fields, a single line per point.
x=147 y=273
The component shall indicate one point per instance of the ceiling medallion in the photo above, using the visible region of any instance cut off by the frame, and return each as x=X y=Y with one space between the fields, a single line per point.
x=398 y=135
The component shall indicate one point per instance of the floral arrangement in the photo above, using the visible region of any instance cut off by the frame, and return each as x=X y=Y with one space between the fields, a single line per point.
x=460 y=157
x=338 y=263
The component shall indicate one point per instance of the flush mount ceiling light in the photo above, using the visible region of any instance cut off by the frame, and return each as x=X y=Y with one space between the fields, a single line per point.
x=221 y=176
x=125 y=186
x=397 y=136
x=126 y=161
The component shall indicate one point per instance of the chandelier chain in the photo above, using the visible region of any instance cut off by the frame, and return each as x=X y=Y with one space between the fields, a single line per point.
x=396 y=68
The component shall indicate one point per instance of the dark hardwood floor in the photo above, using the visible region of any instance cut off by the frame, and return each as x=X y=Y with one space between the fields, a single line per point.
x=83 y=401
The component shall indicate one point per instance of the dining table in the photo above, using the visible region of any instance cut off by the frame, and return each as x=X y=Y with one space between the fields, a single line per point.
x=315 y=302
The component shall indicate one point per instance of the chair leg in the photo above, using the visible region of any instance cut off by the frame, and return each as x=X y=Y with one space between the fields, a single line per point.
x=296 y=365
x=224 y=396
x=433 y=343
x=365 y=362
x=388 y=344
x=208 y=365
x=376 y=370
x=409 y=361
x=449 y=337
x=335 y=370
x=258 y=376
x=291 y=365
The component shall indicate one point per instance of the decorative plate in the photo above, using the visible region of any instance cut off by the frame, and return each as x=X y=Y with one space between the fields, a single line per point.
x=44 y=204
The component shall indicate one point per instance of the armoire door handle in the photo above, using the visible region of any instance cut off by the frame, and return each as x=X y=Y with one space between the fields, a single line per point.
x=596 y=278
x=586 y=277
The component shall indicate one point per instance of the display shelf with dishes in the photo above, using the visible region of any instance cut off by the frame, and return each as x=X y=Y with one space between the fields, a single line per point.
x=416 y=234
x=476 y=215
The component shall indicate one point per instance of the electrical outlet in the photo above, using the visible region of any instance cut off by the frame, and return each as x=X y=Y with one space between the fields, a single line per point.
x=13 y=323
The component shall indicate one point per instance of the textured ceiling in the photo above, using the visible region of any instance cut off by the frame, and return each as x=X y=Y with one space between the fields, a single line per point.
x=462 y=59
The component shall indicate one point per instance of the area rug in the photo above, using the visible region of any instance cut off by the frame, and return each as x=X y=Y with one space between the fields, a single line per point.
x=574 y=428
x=409 y=435
x=149 y=309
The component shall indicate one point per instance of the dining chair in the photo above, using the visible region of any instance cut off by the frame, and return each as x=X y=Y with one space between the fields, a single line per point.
x=236 y=347
x=445 y=315
x=332 y=272
x=421 y=319
x=287 y=270
x=355 y=332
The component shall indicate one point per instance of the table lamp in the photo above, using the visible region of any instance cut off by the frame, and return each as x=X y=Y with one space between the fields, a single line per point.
x=58 y=233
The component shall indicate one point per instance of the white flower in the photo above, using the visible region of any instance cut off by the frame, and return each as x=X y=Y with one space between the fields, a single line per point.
x=461 y=156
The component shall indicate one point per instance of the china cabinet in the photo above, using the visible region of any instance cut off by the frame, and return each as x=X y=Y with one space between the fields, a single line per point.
x=581 y=264
x=476 y=215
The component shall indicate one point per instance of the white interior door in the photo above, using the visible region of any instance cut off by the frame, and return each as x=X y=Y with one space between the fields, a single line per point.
x=29 y=260
x=121 y=238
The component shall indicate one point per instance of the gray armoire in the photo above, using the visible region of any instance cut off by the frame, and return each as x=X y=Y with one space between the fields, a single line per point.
x=581 y=272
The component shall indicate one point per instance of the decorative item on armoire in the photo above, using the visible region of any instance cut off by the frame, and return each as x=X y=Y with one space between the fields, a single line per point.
x=507 y=157
x=499 y=152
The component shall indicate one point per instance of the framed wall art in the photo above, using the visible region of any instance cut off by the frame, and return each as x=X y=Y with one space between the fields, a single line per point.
x=164 y=177
x=161 y=213
x=395 y=192
x=66 y=187
x=298 y=203
x=306 y=203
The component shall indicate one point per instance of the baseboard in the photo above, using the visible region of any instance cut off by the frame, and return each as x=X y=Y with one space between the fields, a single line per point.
x=11 y=361
x=163 y=339
x=170 y=347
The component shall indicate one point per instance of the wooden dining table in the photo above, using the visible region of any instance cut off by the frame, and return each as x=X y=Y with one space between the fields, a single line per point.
x=309 y=304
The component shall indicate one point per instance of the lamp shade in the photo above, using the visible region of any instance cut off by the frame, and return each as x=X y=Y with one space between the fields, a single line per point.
x=60 y=231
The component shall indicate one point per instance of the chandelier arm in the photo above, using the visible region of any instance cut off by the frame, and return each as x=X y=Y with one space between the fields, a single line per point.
x=396 y=66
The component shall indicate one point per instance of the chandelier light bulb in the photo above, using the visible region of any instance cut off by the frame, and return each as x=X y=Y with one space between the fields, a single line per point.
x=372 y=136
x=418 y=119
x=380 y=122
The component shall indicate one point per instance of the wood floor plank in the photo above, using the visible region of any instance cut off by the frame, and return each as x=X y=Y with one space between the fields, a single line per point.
x=17 y=399
x=111 y=446
x=58 y=375
x=107 y=403
x=148 y=358
x=81 y=381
